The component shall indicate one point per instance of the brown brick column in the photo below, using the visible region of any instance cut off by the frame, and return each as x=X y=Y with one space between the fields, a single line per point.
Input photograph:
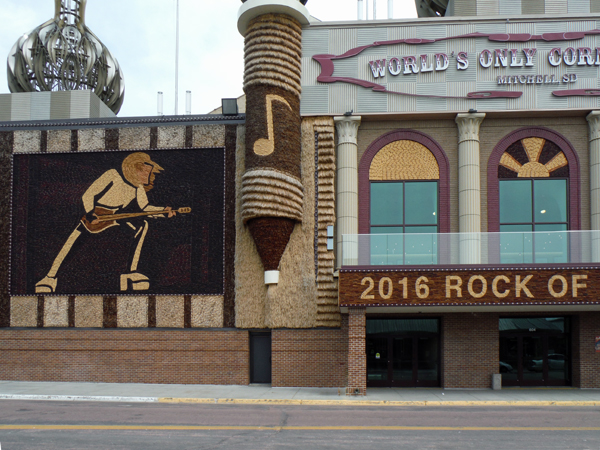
x=471 y=345
x=589 y=360
x=357 y=358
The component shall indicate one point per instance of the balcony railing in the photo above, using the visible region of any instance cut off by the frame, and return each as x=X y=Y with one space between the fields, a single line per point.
x=543 y=247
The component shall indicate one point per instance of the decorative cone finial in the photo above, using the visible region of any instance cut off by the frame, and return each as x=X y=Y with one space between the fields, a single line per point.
x=63 y=54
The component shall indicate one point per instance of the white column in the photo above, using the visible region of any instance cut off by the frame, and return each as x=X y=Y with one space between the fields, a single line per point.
x=469 y=187
x=347 y=187
x=593 y=119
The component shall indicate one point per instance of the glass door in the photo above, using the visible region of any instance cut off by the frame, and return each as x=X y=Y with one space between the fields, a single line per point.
x=428 y=361
x=403 y=353
x=377 y=361
x=535 y=352
x=532 y=360
x=403 y=361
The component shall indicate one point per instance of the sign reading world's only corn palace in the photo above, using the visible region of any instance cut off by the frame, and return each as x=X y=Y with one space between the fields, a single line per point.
x=486 y=64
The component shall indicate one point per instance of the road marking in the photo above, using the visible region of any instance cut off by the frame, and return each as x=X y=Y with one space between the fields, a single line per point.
x=285 y=428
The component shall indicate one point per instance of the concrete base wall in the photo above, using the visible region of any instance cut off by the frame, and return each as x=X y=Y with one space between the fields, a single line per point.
x=310 y=358
x=125 y=356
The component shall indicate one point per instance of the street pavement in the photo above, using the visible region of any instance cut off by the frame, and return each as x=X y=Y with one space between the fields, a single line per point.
x=265 y=394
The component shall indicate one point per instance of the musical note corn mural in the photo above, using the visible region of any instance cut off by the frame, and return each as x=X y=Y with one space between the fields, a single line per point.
x=272 y=192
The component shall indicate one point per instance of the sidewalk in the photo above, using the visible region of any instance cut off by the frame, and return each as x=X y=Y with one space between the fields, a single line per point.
x=265 y=394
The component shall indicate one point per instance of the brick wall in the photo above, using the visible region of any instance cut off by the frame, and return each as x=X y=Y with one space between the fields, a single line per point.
x=125 y=356
x=589 y=369
x=310 y=358
x=470 y=350
x=357 y=358
x=575 y=353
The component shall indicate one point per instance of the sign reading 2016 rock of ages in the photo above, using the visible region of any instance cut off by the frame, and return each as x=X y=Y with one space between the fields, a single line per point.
x=529 y=286
x=140 y=222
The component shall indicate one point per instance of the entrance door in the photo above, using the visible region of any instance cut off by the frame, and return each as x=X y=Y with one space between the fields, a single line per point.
x=260 y=357
x=535 y=352
x=402 y=353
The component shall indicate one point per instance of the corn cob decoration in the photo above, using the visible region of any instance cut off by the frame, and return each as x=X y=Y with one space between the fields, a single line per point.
x=272 y=193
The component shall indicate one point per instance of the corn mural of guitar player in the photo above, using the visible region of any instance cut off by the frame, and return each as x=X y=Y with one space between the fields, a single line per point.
x=103 y=200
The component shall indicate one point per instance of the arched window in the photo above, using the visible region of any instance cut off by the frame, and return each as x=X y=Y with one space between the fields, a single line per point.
x=403 y=185
x=533 y=179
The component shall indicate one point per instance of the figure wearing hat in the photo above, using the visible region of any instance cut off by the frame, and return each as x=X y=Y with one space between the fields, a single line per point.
x=103 y=201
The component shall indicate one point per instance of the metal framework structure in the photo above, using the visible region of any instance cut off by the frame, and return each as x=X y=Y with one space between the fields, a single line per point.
x=431 y=8
x=301 y=1
x=63 y=54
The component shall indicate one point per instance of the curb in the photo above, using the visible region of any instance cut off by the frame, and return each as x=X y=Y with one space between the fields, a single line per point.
x=299 y=402
x=79 y=398
x=294 y=402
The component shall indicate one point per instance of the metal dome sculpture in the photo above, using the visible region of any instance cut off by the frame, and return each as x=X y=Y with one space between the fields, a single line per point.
x=63 y=54
x=431 y=8
x=301 y=1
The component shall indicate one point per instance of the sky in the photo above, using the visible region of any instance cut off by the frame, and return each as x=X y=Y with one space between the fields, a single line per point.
x=140 y=34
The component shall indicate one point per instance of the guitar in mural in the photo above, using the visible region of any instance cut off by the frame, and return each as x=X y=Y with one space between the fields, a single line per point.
x=107 y=218
x=111 y=193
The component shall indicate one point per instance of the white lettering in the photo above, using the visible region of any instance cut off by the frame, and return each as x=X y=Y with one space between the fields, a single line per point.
x=585 y=56
x=441 y=61
x=555 y=57
x=570 y=56
x=462 y=63
x=410 y=63
x=394 y=66
x=529 y=54
x=378 y=68
x=501 y=58
x=424 y=67
x=513 y=59
x=486 y=59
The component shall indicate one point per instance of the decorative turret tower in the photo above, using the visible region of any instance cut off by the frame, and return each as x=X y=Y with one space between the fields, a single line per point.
x=63 y=54
x=272 y=192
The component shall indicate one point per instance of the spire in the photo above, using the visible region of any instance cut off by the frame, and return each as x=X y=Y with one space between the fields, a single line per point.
x=63 y=54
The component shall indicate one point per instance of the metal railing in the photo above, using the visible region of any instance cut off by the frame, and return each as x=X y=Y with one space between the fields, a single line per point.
x=542 y=247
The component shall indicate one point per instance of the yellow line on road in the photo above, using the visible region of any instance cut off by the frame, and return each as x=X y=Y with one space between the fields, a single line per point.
x=285 y=428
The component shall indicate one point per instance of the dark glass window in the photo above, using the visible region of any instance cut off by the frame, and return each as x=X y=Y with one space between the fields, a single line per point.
x=405 y=214
x=533 y=205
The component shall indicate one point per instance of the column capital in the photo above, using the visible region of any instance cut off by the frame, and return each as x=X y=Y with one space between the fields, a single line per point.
x=468 y=126
x=593 y=119
x=347 y=129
